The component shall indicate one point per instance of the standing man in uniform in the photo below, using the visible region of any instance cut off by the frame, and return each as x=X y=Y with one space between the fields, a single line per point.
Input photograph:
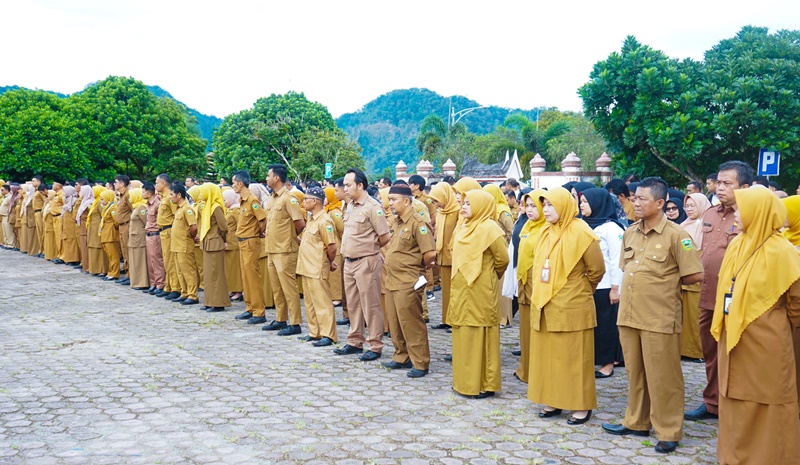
x=184 y=236
x=155 y=260
x=251 y=227
x=410 y=252
x=38 y=204
x=365 y=232
x=56 y=205
x=124 y=209
x=164 y=219
x=284 y=223
x=657 y=257
x=316 y=259
x=719 y=229
x=338 y=187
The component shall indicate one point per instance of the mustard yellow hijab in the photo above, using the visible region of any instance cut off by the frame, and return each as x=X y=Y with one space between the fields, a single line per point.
x=750 y=257
x=466 y=184
x=135 y=196
x=530 y=234
x=212 y=199
x=475 y=235
x=97 y=190
x=561 y=245
x=792 y=205
x=443 y=194
x=333 y=202
x=110 y=198
x=501 y=204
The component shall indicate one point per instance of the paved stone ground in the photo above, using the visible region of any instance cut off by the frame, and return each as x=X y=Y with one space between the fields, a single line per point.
x=94 y=373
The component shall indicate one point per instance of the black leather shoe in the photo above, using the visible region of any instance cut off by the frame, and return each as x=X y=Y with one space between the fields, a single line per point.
x=347 y=349
x=257 y=320
x=550 y=413
x=579 y=421
x=665 y=447
x=621 y=430
x=369 y=356
x=215 y=309
x=448 y=358
x=599 y=375
x=150 y=289
x=204 y=308
x=324 y=342
x=57 y=261
x=173 y=295
x=290 y=330
x=700 y=413
x=414 y=373
x=190 y=302
x=396 y=366
x=343 y=321
x=274 y=326
x=440 y=326
x=244 y=316
x=180 y=300
x=516 y=353
x=484 y=395
x=238 y=299
x=144 y=289
x=124 y=281
x=160 y=293
x=305 y=338
x=437 y=288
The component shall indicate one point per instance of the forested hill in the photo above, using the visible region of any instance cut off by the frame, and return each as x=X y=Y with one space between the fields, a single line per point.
x=206 y=123
x=387 y=127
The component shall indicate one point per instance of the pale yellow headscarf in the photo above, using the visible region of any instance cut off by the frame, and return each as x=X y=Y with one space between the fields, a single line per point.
x=110 y=198
x=751 y=258
x=561 y=245
x=792 y=204
x=475 y=235
x=447 y=216
x=212 y=199
x=135 y=184
x=97 y=190
x=529 y=236
x=466 y=184
x=135 y=196
x=501 y=204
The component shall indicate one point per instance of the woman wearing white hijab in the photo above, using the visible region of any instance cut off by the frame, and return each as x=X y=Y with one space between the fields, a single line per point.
x=86 y=199
x=29 y=221
x=70 y=251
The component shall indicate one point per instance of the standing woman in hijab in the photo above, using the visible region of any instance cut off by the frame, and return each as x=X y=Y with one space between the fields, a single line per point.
x=86 y=200
x=233 y=266
x=49 y=228
x=447 y=209
x=577 y=188
x=212 y=232
x=757 y=307
x=568 y=265
x=137 y=241
x=20 y=221
x=694 y=205
x=792 y=233
x=34 y=247
x=528 y=240
x=109 y=233
x=480 y=258
x=70 y=251
x=333 y=207
x=674 y=210
x=503 y=218
x=597 y=210
x=98 y=263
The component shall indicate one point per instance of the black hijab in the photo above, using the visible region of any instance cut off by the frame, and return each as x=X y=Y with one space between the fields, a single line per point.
x=603 y=209
x=582 y=186
x=523 y=218
x=678 y=203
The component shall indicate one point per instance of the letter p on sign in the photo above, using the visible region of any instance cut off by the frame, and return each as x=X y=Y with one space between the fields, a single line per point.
x=769 y=162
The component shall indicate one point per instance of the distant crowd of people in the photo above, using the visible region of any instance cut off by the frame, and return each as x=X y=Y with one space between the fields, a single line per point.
x=634 y=273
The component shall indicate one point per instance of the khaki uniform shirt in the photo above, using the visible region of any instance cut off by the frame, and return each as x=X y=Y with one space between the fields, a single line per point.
x=124 y=208
x=428 y=204
x=110 y=231
x=57 y=204
x=231 y=218
x=282 y=211
x=181 y=240
x=38 y=202
x=166 y=212
x=138 y=221
x=251 y=214
x=718 y=232
x=421 y=210
x=364 y=222
x=214 y=240
x=411 y=239
x=153 y=204
x=652 y=266
x=312 y=258
x=338 y=226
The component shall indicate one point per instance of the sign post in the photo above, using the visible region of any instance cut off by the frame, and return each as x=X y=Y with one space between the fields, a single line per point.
x=769 y=162
x=328 y=169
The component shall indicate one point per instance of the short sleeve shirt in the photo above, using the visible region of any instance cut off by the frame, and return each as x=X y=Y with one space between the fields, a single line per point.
x=364 y=223
x=185 y=217
x=124 y=208
x=282 y=212
x=251 y=214
x=718 y=231
x=153 y=205
x=166 y=212
x=312 y=258
x=428 y=204
x=411 y=239
x=652 y=267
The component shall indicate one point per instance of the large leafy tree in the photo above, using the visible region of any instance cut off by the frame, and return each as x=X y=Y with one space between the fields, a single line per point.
x=278 y=129
x=681 y=119
x=316 y=148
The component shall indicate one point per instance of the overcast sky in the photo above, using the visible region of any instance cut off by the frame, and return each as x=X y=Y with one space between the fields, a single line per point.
x=219 y=57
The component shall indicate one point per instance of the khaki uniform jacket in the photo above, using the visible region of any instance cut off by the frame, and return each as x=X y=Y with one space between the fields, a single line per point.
x=215 y=238
x=136 y=230
x=181 y=240
x=312 y=258
x=283 y=210
x=411 y=239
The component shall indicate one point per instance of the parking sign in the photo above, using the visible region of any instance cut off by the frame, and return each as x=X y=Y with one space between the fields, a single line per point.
x=769 y=162
x=328 y=169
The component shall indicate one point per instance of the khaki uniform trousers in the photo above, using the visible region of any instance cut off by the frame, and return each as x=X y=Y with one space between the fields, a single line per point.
x=155 y=262
x=251 y=276
x=266 y=287
x=319 y=308
x=711 y=392
x=9 y=235
x=123 y=241
x=59 y=235
x=187 y=274
x=283 y=279
x=408 y=330
x=362 y=285
x=40 y=228
x=655 y=382
x=198 y=259
x=172 y=282
x=112 y=254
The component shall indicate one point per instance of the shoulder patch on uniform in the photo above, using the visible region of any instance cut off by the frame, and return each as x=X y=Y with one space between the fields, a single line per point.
x=143 y=212
x=687 y=244
x=293 y=200
x=255 y=206
x=423 y=230
x=337 y=215
x=507 y=214
x=329 y=228
x=189 y=211
x=380 y=212
x=428 y=200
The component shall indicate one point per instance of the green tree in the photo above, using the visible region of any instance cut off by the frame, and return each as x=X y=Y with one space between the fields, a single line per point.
x=316 y=148
x=681 y=119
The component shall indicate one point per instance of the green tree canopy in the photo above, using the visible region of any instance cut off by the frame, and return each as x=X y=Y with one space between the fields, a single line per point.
x=681 y=119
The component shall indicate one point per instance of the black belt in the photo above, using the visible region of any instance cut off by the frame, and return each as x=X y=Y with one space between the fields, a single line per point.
x=164 y=228
x=242 y=239
x=55 y=214
x=123 y=224
x=151 y=234
x=355 y=259
x=37 y=211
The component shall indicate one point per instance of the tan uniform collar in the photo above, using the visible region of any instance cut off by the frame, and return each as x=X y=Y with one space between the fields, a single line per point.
x=658 y=228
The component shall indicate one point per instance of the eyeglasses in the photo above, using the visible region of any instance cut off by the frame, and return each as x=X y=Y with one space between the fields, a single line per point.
x=672 y=209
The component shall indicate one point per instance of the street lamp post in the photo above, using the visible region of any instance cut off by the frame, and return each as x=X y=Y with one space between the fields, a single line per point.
x=455 y=116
